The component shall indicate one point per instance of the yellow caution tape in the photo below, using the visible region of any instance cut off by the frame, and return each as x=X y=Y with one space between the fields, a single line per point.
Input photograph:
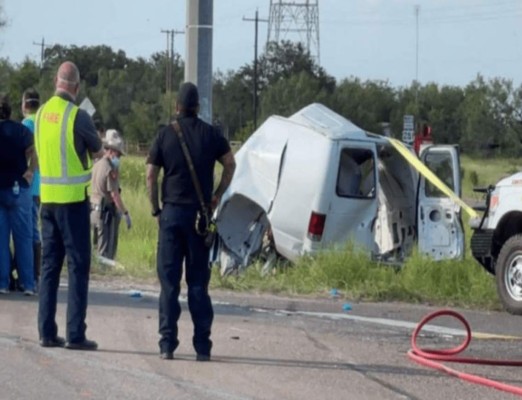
x=425 y=171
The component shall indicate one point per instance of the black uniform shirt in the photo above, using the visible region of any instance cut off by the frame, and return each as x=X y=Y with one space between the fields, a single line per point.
x=15 y=139
x=206 y=145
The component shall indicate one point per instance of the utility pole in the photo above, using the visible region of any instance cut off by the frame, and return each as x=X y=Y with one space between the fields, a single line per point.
x=173 y=32
x=170 y=57
x=417 y=11
x=42 y=51
x=198 y=59
x=169 y=65
x=256 y=20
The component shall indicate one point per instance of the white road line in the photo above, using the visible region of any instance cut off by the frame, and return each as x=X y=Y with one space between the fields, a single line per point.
x=380 y=321
x=394 y=323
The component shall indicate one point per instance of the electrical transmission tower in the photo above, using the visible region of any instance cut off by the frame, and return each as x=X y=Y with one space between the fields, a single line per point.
x=296 y=21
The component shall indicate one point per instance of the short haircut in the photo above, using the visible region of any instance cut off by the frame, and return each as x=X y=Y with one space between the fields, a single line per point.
x=188 y=97
x=5 y=107
x=31 y=99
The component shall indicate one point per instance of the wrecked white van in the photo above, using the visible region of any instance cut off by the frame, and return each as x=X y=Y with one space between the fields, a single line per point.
x=316 y=180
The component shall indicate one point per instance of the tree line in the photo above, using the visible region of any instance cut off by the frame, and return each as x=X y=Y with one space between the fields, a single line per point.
x=484 y=117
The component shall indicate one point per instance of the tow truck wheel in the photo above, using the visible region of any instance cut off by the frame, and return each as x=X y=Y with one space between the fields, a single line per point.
x=508 y=271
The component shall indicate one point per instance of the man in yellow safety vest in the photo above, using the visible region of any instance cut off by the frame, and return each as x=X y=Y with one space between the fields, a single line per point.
x=66 y=141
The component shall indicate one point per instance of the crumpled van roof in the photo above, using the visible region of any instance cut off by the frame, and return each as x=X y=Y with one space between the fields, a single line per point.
x=328 y=123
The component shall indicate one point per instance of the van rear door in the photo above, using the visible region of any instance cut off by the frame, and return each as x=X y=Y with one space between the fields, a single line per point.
x=439 y=223
x=353 y=204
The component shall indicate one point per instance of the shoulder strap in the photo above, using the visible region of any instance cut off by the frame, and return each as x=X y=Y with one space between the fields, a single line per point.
x=195 y=180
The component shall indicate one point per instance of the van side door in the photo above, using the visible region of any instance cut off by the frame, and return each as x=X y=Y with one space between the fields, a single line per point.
x=439 y=223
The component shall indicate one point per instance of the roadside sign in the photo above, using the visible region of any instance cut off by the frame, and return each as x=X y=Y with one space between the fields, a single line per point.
x=408 y=129
x=87 y=105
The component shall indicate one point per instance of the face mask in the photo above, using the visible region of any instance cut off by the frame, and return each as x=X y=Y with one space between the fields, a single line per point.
x=116 y=162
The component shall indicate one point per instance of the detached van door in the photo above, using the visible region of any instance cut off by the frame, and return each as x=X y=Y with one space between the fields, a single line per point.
x=440 y=230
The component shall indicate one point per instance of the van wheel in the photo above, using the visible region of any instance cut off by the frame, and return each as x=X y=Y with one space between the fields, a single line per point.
x=508 y=271
x=270 y=257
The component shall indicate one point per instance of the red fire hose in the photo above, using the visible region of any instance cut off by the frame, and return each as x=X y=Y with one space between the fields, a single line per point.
x=433 y=358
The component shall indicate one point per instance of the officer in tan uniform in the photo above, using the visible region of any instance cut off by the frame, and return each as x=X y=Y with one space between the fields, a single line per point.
x=107 y=206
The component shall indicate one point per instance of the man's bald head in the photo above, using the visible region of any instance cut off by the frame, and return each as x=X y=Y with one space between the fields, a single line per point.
x=68 y=78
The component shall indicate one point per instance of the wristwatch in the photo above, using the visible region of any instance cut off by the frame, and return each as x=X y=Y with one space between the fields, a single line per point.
x=156 y=213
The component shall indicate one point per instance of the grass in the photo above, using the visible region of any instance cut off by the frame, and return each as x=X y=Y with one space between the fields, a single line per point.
x=420 y=280
x=137 y=246
x=354 y=276
x=487 y=172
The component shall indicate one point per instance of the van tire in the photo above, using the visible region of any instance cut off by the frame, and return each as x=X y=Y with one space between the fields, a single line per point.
x=229 y=264
x=508 y=271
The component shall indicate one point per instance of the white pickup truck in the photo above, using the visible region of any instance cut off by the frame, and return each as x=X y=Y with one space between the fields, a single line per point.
x=496 y=242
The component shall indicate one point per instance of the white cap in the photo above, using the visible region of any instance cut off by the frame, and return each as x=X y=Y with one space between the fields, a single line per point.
x=113 y=141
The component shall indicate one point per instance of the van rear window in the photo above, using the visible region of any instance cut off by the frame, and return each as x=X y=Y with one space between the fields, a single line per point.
x=356 y=176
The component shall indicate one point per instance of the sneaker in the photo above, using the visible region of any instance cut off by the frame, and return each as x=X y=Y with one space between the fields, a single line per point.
x=4 y=291
x=29 y=292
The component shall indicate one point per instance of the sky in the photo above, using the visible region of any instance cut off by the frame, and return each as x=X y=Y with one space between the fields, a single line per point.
x=367 y=39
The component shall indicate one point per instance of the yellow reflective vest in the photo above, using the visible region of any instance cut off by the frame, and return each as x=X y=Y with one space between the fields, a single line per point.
x=64 y=179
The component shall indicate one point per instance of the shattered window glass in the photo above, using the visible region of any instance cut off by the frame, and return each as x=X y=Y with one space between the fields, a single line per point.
x=356 y=177
x=440 y=164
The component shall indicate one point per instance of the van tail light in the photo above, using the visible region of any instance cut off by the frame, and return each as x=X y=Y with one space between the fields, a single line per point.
x=316 y=226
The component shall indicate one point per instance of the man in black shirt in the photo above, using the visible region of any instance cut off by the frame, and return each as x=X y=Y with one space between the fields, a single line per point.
x=17 y=165
x=178 y=239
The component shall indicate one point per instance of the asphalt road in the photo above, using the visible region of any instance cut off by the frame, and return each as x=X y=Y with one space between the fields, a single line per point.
x=265 y=347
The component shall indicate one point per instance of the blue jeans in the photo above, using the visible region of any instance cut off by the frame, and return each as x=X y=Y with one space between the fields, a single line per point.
x=65 y=230
x=36 y=212
x=179 y=241
x=15 y=218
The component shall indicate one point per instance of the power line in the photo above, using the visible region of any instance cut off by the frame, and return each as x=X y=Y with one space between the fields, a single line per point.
x=370 y=14
x=474 y=17
x=458 y=7
x=464 y=14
